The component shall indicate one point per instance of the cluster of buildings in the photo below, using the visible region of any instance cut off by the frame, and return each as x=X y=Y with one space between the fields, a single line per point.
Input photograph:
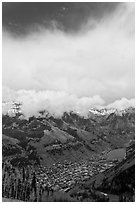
x=64 y=176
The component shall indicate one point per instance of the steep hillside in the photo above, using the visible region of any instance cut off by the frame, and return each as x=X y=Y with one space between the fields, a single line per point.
x=115 y=184
x=86 y=159
x=47 y=139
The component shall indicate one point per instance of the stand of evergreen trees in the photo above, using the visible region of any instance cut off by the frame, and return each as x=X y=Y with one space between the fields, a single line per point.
x=22 y=184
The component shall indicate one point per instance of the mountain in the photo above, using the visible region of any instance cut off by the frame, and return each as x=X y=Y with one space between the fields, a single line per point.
x=79 y=157
x=115 y=184
x=48 y=139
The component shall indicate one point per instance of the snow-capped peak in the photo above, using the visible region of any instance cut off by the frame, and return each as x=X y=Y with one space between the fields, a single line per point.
x=102 y=111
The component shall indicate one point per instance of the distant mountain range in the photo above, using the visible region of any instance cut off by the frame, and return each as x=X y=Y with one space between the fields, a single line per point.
x=48 y=139
x=15 y=107
x=104 y=141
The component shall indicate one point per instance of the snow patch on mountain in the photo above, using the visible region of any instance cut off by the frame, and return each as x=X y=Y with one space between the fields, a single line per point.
x=13 y=108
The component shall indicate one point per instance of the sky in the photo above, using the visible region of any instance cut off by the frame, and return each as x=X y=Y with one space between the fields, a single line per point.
x=68 y=56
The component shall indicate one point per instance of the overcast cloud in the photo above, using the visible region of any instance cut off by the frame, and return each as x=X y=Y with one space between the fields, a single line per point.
x=61 y=71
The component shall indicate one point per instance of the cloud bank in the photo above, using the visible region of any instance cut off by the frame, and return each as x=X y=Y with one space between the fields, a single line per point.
x=61 y=71
x=56 y=103
x=122 y=104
